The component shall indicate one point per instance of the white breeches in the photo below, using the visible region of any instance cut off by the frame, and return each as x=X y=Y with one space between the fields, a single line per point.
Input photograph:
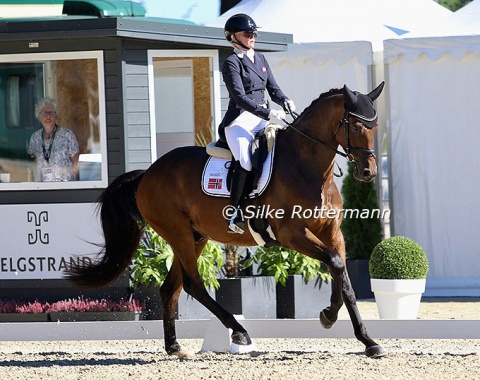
x=240 y=133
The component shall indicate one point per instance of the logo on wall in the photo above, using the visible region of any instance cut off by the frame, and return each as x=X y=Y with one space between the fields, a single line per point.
x=38 y=220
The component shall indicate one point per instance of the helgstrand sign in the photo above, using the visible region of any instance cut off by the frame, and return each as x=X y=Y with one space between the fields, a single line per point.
x=42 y=241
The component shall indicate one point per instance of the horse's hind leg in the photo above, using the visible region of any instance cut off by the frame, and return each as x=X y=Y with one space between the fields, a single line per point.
x=372 y=349
x=169 y=292
x=193 y=285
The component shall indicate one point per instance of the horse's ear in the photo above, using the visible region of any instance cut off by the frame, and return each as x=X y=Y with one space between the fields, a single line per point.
x=350 y=97
x=375 y=93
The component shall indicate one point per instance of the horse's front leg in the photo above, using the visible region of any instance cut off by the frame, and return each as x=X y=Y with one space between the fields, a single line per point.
x=372 y=349
x=329 y=315
x=311 y=246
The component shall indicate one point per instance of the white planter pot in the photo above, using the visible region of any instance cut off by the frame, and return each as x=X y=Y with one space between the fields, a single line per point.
x=397 y=299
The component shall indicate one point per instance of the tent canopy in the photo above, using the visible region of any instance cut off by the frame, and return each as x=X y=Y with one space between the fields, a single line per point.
x=456 y=35
x=464 y=22
x=340 y=20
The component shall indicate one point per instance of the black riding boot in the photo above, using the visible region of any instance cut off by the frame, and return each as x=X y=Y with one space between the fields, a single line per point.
x=237 y=194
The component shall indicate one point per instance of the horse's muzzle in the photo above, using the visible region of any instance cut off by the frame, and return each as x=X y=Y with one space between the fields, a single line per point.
x=365 y=171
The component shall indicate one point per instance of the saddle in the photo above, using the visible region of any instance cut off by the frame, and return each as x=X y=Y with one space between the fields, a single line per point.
x=260 y=148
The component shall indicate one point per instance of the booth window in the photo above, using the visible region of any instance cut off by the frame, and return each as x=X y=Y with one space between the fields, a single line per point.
x=75 y=81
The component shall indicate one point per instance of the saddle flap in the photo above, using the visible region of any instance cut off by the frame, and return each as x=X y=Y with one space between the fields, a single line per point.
x=215 y=172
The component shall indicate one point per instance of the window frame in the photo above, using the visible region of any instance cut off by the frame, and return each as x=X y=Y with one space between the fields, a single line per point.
x=183 y=54
x=63 y=56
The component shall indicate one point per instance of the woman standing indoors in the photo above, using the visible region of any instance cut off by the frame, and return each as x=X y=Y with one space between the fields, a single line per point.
x=55 y=148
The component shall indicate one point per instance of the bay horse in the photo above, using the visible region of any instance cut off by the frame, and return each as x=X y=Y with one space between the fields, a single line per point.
x=168 y=197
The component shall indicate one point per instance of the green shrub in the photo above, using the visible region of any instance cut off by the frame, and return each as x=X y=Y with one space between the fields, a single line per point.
x=400 y=258
x=280 y=262
x=154 y=257
x=361 y=234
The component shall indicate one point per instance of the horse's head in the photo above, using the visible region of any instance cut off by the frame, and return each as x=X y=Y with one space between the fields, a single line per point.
x=357 y=138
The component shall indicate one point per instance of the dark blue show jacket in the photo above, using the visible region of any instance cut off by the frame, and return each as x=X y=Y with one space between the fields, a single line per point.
x=246 y=83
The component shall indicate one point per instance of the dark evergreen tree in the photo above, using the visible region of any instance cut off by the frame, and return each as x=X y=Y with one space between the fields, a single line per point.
x=361 y=234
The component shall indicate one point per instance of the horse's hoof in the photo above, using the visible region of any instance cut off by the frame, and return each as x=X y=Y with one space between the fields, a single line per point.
x=184 y=353
x=241 y=338
x=375 y=352
x=324 y=321
x=179 y=351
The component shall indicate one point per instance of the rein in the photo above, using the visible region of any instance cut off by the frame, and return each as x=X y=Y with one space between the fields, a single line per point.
x=348 y=155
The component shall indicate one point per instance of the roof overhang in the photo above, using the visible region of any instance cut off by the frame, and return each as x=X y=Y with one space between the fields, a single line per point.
x=148 y=29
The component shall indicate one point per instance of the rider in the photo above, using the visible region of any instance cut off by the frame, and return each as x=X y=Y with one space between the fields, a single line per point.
x=247 y=77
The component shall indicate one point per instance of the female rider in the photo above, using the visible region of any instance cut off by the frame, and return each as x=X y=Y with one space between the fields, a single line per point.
x=248 y=78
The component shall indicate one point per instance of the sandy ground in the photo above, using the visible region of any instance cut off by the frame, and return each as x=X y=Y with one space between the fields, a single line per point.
x=274 y=359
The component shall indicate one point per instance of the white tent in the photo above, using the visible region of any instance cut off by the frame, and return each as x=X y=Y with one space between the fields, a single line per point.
x=433 y=90
x=307 y=70
x=339 y=20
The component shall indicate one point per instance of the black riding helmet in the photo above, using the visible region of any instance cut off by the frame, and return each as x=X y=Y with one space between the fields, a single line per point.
x=239 y=23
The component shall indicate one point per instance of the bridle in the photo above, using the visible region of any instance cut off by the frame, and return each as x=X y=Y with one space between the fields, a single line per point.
x=349 y=149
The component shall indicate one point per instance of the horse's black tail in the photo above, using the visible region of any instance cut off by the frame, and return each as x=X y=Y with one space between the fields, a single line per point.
x=122 y=226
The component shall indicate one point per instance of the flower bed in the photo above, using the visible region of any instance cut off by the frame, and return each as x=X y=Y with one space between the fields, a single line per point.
x=78 y=309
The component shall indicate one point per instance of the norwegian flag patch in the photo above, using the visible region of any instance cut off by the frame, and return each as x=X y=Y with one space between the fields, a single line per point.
x=264 y=69
x=215 y=183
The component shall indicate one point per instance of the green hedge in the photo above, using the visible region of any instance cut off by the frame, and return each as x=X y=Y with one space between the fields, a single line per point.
x=361 y=234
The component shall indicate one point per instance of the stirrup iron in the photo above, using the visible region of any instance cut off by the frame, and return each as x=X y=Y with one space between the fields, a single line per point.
x=236 y=224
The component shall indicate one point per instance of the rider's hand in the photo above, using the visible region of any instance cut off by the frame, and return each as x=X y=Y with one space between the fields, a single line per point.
x=290 y=106
x=277 y=114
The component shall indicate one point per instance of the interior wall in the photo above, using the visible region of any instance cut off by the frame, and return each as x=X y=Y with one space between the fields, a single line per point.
x=202 y=84
x=76 y=93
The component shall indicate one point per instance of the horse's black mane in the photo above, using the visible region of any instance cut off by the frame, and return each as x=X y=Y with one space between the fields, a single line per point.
x=331 y=92
x=324 y=95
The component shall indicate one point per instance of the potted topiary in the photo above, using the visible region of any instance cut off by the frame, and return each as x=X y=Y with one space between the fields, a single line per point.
x=362 y=230
x=302 y=283
x=398 y=270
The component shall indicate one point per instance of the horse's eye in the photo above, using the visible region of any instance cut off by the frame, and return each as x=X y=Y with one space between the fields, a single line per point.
x=356 y=126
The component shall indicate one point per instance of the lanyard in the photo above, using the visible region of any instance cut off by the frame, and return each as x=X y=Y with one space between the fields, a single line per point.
x=48 y=153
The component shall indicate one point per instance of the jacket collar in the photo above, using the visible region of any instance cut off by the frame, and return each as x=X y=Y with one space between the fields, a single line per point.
x=241 y=54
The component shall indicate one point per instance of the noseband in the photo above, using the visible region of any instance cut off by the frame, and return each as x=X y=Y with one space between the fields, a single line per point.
x=369 y=152
x=349 y=149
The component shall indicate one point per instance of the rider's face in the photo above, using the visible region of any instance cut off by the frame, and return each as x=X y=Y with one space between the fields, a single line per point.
x=247 y=38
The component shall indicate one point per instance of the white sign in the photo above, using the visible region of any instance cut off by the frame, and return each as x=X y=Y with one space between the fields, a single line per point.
x=41 y=241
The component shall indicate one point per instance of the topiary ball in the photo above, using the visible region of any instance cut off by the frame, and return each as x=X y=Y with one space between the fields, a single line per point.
x=400 y=258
